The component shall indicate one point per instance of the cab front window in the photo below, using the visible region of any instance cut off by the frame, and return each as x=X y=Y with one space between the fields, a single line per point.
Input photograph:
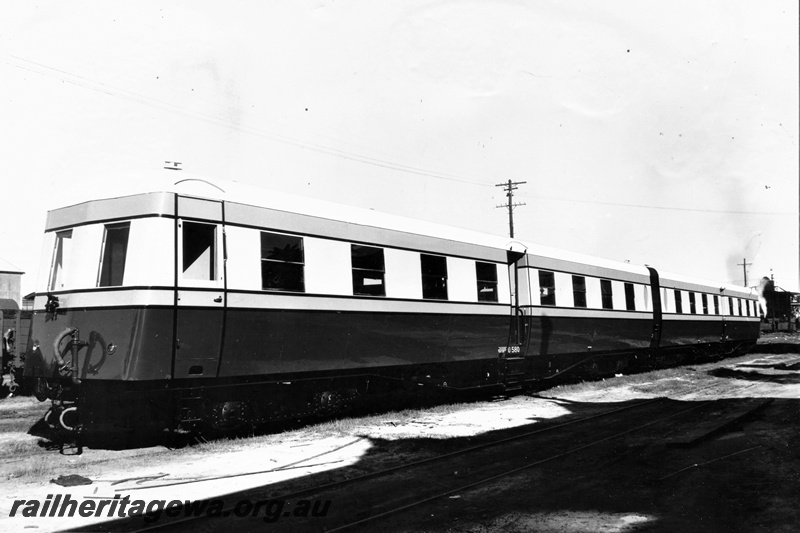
x=115 y=249
x=61 y=258
x=199 y=251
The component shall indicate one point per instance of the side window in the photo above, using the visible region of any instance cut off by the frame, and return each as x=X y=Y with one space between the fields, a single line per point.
x=740 y=305
x=115 y=249
x=705 y=303
x=678 y=302
x=730 y=306
x=716 y=304
x=282 y=262
x=547 y=288
x=692 y=304
x=368 y=270
x=606 y=294
x=630 y=297
x=579 y=291
x=434 y=276
x=61 y=255
x=486 y=274
x=199 y=251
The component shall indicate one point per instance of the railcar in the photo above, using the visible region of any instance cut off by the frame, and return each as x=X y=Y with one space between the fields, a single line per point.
x=202 y=304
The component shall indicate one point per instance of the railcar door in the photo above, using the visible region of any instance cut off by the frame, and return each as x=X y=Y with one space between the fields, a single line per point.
x=200 y=288
x=515 y=368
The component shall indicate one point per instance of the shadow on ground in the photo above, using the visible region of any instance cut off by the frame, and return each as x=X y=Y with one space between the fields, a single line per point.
x=742 y=479
x=783 y=379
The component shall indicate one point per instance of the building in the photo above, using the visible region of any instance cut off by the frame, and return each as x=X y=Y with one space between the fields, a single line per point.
x=10 y=282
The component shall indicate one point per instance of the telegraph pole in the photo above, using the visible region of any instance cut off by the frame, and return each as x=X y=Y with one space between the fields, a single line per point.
x=510 y=187
x=744 y=264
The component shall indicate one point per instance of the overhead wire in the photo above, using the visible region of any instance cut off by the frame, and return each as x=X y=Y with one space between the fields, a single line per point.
x=664 y=208
x=82 y=81
x=110 y=90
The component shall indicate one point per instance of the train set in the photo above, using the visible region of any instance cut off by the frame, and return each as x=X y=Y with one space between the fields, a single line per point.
x=198 y=305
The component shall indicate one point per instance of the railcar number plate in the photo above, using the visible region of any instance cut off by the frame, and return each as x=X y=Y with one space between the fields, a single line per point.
x=513 y=349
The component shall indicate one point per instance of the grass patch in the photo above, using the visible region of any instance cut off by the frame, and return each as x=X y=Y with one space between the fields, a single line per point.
x=35 y=469
x=657 y=382
x=338 y=427
x=22 y=403
x=23 y=446
x=651 y=382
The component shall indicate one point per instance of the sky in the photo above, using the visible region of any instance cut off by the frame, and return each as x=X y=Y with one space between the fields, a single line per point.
x=660 y=133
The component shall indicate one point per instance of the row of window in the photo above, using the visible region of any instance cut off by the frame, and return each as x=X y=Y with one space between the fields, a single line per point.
x=282 y=263
x=112 y=260
x=282 y=268
x=708 y=304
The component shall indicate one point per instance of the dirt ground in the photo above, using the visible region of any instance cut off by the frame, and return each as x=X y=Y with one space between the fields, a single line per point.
x=743 y=479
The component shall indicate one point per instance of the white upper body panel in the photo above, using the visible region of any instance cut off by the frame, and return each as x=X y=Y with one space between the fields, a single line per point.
x=182 y=183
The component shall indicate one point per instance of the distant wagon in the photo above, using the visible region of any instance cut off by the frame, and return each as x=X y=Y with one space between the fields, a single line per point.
x=14 y=327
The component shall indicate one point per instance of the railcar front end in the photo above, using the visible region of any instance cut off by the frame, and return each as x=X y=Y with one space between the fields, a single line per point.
x=164 y=310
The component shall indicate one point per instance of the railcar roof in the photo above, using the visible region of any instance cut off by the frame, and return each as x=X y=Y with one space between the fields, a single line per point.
x=185 y=183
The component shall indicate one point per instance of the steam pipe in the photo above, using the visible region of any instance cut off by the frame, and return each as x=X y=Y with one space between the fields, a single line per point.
x=57 y=342
x=76 y=345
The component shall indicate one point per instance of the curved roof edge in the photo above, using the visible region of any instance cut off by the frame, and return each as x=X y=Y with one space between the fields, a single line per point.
x=186 y=183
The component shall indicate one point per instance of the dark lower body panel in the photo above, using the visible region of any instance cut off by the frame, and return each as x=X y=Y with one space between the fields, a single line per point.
x=275 y=365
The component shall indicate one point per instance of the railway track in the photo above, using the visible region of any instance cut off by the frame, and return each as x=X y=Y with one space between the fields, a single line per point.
x=201 y=523
x=398 y=492
x=405 y=487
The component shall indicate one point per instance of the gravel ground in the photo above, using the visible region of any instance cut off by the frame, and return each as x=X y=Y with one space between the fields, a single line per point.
x=764 y=499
